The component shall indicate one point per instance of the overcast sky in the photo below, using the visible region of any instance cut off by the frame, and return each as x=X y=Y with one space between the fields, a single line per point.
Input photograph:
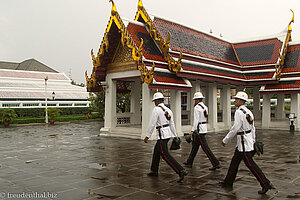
x=61 y=33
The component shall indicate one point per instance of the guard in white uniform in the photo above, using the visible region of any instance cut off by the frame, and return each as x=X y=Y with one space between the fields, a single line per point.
x=199 y=130
x=244 y=128
x=162 y=119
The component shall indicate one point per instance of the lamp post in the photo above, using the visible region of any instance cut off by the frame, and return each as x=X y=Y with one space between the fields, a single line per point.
x=46 y=111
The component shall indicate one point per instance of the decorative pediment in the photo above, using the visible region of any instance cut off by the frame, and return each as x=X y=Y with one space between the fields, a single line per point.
x=115 y=22
x=142 y=15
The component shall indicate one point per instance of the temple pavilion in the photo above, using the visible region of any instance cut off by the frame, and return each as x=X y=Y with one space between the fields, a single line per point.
x=151 y=53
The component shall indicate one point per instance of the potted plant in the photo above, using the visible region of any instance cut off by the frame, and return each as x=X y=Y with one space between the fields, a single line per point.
x=53 y=114
x=7 y=115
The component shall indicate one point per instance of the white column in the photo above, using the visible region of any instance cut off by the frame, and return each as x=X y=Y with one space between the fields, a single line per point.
x=266 y=112
x=110 y=120
x=295 y=108
x=147 y=108
x=135 y=102
x=176 y=109
x=197 y=86
x=256 y=103
x=212 y=107
x=226 y=105
x=280 y=114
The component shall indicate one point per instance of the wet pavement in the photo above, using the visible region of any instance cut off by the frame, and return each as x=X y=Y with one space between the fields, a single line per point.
x=69 y=161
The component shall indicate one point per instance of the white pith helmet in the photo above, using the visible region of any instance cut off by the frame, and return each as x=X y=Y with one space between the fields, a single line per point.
x=241 y=95
x=157 y=95
x=198 y=95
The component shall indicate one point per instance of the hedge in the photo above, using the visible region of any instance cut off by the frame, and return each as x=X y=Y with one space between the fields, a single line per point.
x=40 y=112
x=28 y=120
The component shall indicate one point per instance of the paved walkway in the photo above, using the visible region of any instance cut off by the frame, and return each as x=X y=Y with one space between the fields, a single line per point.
x=69 y=161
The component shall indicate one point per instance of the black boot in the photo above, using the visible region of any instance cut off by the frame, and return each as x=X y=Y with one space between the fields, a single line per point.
x=181 y=175
x=215 y=167
x=264 y=190
x=153 y=174
x=225 y=185
x=188 y=165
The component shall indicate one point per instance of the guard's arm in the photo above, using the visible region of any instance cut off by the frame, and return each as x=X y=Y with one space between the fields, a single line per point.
x=234 y=129
x=196 y=119
x=172 y=126
x=152 y=123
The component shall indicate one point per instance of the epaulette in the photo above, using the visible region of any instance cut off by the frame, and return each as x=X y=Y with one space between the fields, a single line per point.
x=205 y=112
x=248 y=117
x=167 y=115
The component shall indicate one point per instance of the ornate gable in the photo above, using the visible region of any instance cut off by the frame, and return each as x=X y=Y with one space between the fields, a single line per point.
x=115 y=34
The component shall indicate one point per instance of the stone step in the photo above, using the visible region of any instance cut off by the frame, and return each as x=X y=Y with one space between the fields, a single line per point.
x=133 y=133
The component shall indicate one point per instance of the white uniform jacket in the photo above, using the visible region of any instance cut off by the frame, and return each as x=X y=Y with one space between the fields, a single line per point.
x=158 y=119
x=241 y=125
x=199 y=117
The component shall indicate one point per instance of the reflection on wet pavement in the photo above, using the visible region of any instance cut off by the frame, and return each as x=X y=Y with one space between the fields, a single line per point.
x=72 y=161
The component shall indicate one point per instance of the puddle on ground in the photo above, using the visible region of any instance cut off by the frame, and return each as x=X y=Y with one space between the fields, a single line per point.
x=53 y=135
x=97 y=165
x=100 y=196
x=101 y=179
x=292 y=161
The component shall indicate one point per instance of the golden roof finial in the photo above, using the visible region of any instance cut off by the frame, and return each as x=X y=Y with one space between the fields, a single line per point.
x=140 y=5
x=114 y=8
x=290 y=28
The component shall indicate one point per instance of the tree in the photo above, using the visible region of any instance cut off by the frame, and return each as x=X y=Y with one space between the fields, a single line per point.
x=123 y=102
x=97 y=100
x=7 y=115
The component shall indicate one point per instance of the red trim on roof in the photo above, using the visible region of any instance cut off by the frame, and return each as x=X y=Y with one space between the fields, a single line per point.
x=283 y=86
x=269 y=76
x=209 y=78
x=212 y=72
x=179 y=80
x=168 y=87
x=201 y=60
x=280 y=92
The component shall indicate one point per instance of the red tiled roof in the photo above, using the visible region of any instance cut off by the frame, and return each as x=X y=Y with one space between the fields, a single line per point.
x=194 y=42
x=292 y=61
x=150 y=51
x=260 y=52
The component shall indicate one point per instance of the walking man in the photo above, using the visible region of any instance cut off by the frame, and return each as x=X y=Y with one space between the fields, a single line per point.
x=162 y=119
x=198 y=133
x=244 y=128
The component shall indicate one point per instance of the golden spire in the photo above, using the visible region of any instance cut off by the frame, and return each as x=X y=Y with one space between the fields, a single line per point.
x=290 y=28
x=113 y=9
x=140 y=5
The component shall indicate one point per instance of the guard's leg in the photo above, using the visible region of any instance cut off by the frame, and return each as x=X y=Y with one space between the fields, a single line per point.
x=233 y=168
x=156 y=157
x=214 y=161
x=168 y=158
x=256 y=171
x=194 y=151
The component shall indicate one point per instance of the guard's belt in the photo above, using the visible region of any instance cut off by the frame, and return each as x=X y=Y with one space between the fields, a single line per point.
x=163 y=126
x=202 y=122
x=244 y=132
